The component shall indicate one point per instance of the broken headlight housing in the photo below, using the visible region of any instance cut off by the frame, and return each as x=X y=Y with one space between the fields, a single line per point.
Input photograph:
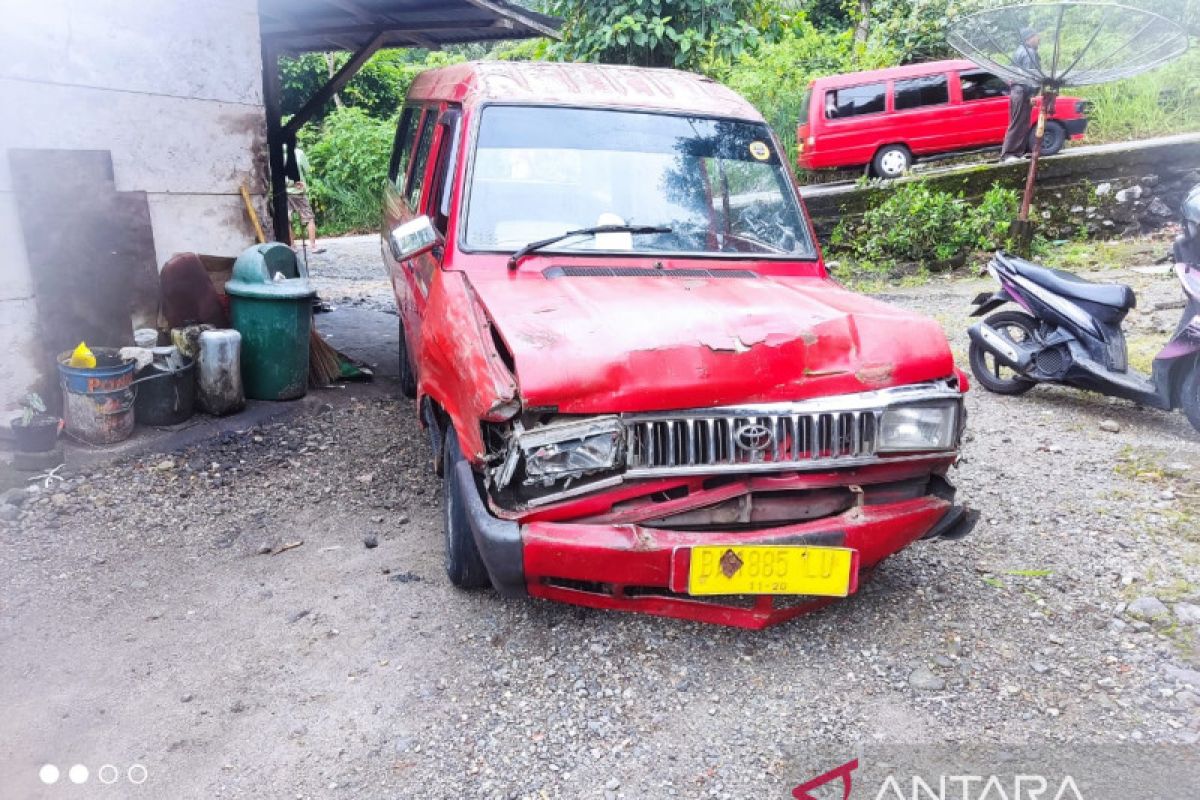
x=920 y=427
x=565 y=450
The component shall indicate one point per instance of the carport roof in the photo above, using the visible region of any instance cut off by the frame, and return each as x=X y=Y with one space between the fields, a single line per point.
x=299 y=26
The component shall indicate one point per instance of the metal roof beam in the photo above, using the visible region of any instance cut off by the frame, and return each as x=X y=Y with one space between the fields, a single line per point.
x=339 y=79
x=512 y=12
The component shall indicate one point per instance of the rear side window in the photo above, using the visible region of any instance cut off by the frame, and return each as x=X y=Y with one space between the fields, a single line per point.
x=416 y=175
x=980 y=85
x=933 y=90
x=804 y=104
x=402 y=146
x=855 y=101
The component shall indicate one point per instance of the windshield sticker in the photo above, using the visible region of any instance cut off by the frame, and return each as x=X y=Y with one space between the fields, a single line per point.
x=759 y=151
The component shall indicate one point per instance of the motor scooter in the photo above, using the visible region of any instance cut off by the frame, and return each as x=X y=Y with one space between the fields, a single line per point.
x=1069 y=331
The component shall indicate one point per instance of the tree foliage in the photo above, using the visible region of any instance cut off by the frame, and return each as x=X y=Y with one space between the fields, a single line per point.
x=689 y=34
x=378 y=88
x=348 y=158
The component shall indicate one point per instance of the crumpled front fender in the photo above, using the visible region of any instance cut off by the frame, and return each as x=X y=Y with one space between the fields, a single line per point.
x=460 y=364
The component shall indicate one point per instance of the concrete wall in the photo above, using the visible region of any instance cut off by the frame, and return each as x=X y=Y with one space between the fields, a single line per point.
x=172 y=88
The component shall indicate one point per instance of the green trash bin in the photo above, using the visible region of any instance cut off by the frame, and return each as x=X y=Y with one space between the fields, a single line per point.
x=270 y=303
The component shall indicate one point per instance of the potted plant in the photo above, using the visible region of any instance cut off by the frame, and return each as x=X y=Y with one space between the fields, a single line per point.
x=35 y=431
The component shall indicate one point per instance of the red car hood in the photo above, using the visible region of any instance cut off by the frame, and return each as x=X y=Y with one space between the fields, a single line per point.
x=613 y=344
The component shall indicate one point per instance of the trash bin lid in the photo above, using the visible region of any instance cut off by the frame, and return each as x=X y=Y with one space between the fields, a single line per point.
x=290 y=289
x=255 y=269
x=261 y=262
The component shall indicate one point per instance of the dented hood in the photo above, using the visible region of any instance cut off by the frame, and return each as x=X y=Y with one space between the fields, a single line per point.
x=613 y=344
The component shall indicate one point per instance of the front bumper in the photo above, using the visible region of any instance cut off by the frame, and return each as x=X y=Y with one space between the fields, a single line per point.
x=1076 y=128
x=631 y=567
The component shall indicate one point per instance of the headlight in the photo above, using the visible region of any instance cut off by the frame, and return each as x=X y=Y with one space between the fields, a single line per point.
x=571 y=449
x=931 y=426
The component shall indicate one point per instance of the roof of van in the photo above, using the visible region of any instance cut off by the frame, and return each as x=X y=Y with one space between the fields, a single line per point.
x=595 y=85
x=890 y=73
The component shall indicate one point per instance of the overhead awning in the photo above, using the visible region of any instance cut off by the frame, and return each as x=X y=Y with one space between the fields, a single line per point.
x=300 y=26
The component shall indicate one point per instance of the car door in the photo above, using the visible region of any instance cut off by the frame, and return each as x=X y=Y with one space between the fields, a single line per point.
x=855 y=124
x=984 y=108
x=405 y=201
x=919 y=107
x=395 y=211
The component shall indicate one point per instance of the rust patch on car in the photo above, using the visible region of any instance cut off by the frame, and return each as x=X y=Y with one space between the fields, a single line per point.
x=878 y=373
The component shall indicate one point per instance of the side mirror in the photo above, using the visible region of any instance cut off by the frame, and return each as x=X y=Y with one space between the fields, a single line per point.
x=413 y=238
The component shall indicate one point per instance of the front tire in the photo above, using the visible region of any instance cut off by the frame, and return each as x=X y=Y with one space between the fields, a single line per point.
x=1189 y=395
x=892 y=161
x=464 y=566
x=1053 y=139
x=1018 y=327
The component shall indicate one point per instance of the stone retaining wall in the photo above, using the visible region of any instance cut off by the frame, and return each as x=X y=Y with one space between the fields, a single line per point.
x=1099 y=191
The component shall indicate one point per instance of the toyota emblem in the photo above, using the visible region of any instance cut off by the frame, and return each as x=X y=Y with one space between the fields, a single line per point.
x=753 y=437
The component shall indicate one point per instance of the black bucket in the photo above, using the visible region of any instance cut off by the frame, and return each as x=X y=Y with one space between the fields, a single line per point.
x=165 y=396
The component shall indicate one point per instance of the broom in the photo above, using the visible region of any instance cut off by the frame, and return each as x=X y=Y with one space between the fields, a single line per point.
x=324 y=365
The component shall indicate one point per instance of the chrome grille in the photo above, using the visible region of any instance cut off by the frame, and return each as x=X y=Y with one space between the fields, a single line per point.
x=749 y=441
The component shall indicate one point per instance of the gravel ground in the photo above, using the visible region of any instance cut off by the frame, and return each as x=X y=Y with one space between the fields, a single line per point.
x=152 y=613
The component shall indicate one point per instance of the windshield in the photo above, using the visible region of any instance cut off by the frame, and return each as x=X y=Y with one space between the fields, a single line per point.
x=718 y=185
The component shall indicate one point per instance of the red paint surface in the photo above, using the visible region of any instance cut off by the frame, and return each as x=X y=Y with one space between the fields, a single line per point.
x=927 y=130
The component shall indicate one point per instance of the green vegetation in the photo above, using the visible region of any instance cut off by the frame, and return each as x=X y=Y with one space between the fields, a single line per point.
x=688 y=34
x=913 y=226
x=348 y=156
x=767 y=50
x=1164 y=101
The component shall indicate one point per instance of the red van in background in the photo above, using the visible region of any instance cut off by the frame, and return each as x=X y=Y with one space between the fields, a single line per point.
x=889 y=118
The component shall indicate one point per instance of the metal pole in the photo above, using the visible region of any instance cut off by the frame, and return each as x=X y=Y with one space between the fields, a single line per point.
x=277 y=191
x=1027 y=200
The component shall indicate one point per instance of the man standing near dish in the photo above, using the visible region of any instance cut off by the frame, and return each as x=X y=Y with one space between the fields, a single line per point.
x=1020 y=98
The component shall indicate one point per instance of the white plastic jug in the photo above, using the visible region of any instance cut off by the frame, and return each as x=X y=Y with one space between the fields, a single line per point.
x=219 y=372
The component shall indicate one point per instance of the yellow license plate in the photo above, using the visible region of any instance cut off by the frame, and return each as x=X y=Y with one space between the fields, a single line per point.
x=771 y=569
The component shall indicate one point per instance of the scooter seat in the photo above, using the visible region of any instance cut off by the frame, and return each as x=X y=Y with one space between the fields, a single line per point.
x=1068 y=284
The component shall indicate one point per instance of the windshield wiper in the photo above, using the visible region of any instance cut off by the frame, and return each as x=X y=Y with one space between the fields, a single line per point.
x=516 y=257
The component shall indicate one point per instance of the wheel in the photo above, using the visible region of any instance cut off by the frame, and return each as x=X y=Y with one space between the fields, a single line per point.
x=408 y=379
x=994 y=376
x=464 y=567
x=891 y=161
x=1189 y=396
x=1053 y=139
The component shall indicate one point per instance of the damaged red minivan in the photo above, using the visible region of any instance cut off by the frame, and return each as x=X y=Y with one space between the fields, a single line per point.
x=642 y=388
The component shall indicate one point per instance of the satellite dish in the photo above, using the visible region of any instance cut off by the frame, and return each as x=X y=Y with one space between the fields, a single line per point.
x=1081 y=43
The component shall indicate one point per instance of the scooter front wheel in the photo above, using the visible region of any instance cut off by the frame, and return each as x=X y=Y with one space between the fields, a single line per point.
x=1189 y=395
x=991 y=374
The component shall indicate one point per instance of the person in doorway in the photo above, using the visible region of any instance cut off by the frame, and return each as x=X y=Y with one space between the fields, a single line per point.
x=1020 y=98
x=297 y=192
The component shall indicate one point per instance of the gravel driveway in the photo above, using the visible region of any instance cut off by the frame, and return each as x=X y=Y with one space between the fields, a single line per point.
x=153 y=613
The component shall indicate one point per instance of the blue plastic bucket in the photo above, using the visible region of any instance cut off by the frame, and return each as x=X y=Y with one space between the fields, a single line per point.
x=98 y=401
